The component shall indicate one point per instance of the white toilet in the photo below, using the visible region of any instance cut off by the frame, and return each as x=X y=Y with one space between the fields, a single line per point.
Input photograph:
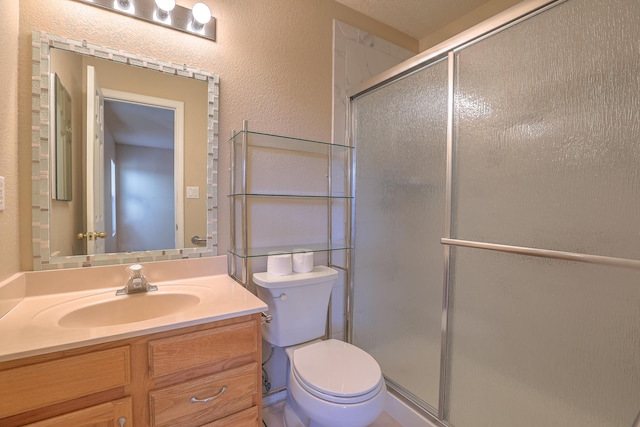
x=331 y=383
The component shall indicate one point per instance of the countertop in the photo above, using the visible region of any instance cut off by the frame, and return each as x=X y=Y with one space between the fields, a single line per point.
x=26 y=330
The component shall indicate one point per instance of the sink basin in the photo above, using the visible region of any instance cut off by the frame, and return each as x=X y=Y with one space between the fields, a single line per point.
x=106 y=309
x=127 y=309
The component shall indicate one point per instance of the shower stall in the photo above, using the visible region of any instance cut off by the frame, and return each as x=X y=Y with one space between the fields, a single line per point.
x=496 y=271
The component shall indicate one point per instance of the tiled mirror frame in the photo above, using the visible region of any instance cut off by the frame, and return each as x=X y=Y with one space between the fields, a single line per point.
x=40 y=145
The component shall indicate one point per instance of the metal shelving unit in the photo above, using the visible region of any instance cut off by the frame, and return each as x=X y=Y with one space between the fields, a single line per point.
x=288 y=174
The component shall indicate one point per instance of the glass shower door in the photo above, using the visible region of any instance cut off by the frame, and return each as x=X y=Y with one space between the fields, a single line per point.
x=547 y=158
x=399 y=220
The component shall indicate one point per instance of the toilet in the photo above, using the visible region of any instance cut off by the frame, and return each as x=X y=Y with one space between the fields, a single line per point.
x=330 y=383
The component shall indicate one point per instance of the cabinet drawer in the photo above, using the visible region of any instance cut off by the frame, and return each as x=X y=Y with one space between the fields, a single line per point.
x=183 y=352
x=42 y=384
x=246 y=418
x=231 y=391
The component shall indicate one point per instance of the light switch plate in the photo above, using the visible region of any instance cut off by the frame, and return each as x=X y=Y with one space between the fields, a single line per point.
x=1 y=193
x=193 y=192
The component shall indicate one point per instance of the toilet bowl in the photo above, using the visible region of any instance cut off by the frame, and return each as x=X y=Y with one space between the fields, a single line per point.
x=330 y=383
x=335 y=384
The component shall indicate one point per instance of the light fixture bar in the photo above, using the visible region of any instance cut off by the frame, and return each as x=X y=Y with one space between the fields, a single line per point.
x=180 y=18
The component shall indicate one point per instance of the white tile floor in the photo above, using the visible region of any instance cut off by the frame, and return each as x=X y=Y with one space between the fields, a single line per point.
x=272 y=416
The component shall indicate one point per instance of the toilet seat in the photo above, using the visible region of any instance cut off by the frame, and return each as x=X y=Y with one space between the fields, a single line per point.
x=337 y=371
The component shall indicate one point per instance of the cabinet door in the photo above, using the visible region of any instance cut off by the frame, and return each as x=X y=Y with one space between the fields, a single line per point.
x=116 y=413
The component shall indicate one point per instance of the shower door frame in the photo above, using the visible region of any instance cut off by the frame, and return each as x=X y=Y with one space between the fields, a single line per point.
x=446 y=50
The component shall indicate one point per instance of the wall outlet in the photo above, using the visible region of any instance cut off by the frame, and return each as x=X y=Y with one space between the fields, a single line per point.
x=1 y=193
x=193 y=192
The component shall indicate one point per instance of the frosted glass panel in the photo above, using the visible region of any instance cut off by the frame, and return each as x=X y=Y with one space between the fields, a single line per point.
x=547 y=118
x=400 y=181
x=538 y=342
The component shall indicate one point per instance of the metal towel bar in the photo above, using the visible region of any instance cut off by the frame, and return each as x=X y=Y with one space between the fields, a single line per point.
x=546 y=253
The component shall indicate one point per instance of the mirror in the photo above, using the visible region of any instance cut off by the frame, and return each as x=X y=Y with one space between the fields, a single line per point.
x=135 y=123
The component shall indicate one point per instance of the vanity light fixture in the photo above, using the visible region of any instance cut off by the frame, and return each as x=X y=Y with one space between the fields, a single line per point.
x=163 y=10
x=166 y=6
x=197 y=21
x=201 y=16
x=125 y=6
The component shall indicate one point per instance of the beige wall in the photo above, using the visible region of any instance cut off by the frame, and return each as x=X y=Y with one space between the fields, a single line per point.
x=476 y=16
x=9 y=246
x=274 y=58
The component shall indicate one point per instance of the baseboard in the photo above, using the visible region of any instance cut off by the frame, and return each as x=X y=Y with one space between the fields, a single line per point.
x=405 y=415
x=396 y=408
x=275 y=397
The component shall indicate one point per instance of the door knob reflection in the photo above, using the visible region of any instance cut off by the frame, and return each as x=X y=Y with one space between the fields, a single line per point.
x=91 y=235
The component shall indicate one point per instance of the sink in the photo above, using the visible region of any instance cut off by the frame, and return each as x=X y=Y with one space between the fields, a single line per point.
x=106 y=309
x=127 y=309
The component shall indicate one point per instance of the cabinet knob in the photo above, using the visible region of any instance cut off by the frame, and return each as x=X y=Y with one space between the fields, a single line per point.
x=122 y=421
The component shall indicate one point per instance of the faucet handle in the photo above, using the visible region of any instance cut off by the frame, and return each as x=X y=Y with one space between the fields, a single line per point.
x=137 y=282
x=135 y=270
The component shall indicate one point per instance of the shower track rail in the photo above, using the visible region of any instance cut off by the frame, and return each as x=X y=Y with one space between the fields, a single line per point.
x=547 y=253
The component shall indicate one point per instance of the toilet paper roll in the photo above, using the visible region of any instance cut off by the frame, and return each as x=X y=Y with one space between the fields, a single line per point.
x=279 y=264
x=302 y=261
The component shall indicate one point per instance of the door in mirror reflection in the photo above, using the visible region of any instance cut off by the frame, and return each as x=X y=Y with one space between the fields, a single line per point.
x=143 y=174
x=94 y=235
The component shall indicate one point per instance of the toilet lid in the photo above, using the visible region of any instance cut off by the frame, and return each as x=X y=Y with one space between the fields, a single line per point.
x=336 y=368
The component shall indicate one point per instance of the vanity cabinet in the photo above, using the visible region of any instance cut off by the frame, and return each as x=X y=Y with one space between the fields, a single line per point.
x=205 y=375
x=288 y=195
x=205 y=398
x=116 y=413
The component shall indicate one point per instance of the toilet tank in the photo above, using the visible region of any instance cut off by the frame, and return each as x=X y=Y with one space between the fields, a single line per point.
x=298 y=303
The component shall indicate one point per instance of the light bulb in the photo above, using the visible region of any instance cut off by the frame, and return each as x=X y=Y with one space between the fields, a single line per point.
x=124 y=6
x=166 y=6
x=201 y=14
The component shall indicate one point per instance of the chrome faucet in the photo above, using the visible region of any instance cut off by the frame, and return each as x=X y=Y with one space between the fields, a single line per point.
x=137 y=282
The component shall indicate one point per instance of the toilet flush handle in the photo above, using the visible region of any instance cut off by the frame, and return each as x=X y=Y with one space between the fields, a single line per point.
x=281 y=297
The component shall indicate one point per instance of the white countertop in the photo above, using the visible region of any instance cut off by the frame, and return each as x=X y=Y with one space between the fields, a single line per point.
x=26 y=331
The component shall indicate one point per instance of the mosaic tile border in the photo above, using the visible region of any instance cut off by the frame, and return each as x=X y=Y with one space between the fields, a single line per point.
x=40 y=145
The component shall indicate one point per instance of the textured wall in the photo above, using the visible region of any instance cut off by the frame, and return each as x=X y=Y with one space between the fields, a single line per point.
x=476 y=16
x=274 y=59
x=9 y=243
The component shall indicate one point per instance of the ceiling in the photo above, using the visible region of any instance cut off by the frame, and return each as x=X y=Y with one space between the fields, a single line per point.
x=416 y=18
x=138 y=124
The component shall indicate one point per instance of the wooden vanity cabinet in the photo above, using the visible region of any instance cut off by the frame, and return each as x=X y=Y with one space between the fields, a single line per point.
x=205 y=375
x=116 y=413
